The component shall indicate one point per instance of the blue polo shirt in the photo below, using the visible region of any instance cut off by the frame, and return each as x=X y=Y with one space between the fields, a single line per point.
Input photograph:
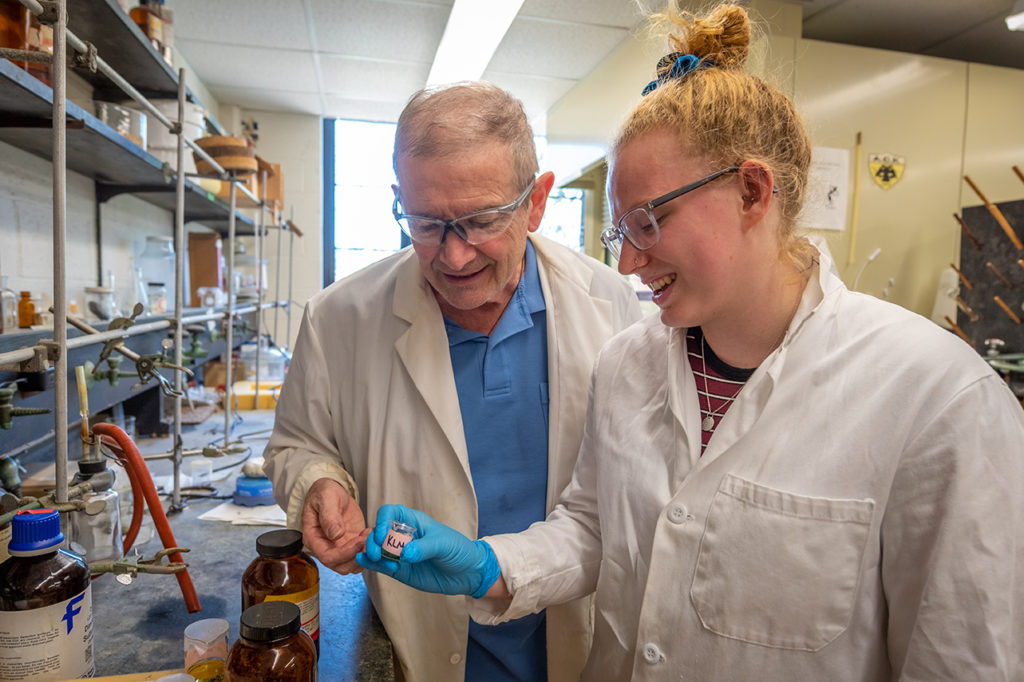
x=502 y=382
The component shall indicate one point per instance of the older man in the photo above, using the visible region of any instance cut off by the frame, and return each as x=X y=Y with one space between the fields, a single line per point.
x=452 y=378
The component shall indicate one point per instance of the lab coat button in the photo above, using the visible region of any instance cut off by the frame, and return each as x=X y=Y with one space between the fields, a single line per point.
x=652 y=654
x=677 y=514
x=455 y=658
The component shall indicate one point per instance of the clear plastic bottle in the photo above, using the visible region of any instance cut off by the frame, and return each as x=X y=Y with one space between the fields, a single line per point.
x=283 y=572
x=8 y=307
x=272 y=646
x=157 y=264
x=97 y=536
x=46 y=600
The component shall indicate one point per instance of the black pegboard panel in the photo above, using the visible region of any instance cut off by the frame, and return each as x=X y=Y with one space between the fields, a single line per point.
x=995 y=248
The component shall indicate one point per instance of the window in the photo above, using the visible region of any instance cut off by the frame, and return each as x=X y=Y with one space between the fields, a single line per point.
x=358 y=226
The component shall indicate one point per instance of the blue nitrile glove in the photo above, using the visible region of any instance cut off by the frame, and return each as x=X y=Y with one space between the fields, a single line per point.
x=438 y=559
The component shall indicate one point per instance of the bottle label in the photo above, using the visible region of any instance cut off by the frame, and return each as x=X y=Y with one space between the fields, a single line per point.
x=308 y=602
x=50 y=643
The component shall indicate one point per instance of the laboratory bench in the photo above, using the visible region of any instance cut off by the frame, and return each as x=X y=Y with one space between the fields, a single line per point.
x=138 y=628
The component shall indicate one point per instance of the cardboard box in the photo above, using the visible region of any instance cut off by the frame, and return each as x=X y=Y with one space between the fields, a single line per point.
x=275 y=181
x=215 y=370
x=204 y=263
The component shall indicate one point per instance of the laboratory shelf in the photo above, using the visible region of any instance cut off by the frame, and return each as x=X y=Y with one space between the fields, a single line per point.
x=123 y=46
x=97 y=151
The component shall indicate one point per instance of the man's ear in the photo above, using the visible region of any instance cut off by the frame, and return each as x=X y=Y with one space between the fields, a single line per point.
x=539 y=198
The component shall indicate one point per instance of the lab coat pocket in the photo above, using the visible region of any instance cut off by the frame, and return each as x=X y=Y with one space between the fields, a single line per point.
x=779 y=569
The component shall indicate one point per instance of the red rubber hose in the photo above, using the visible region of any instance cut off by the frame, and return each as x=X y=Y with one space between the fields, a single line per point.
x=137 y=498
x=134 y=460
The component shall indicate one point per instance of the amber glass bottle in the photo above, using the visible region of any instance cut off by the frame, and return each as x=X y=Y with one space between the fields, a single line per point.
x=283 y=572
x=272 y=646
x=14 y=27
x=46 y=600
x=26 y=310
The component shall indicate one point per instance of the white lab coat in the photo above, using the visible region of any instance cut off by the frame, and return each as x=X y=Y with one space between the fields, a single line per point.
x=857 y=515
x=370 y=401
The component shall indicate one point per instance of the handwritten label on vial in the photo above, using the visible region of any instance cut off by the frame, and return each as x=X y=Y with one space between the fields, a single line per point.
x=393 y=544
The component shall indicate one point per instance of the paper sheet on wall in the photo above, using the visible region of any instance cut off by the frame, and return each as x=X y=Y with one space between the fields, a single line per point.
x=827 y=190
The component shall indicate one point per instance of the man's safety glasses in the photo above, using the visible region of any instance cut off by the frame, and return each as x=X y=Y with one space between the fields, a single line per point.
x=474 y=228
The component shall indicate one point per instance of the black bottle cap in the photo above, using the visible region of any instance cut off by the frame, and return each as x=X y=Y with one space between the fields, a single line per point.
x=91 y=467
x=278 y=544
x=270 y=620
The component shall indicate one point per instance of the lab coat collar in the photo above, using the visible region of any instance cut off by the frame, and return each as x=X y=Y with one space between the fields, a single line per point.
x=823 y=286
x=423 y=350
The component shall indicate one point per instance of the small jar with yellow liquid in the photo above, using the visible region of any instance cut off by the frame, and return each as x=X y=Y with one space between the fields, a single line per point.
x=206 y=649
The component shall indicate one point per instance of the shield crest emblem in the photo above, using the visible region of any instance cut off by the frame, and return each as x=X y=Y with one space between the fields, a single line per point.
x=886 y=169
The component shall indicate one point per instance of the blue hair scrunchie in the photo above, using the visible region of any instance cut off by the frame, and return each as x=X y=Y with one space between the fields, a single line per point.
x=674 y=65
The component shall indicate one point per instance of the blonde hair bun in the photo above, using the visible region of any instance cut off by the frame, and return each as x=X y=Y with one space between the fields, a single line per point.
x=723 y=36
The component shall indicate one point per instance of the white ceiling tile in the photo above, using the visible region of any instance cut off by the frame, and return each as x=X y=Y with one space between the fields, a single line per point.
x=362 y=110
x=269 y=100
x=379 y=29
x=258 y=23
x=537 y=94
x=555 y=49
x=250 y=67
x=349 y=77
x=620 y=13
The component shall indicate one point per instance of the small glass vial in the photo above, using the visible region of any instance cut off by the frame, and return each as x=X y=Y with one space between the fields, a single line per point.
x=97 y=535
x=206 y=649
x=46 y=600
x=272 y=646
x=398 y=537
x=283 y=572
x=156 y=292
x=26 y=310
x=8 y=308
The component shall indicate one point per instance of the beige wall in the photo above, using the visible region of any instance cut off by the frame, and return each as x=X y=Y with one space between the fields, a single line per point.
x=909 y=106
x=945 y=117
x=294 y=141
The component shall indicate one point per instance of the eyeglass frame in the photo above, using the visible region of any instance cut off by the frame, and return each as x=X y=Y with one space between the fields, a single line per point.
x=453 y=226
x=612 y=237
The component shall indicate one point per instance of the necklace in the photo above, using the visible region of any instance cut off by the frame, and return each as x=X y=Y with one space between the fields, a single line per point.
x=708 y=422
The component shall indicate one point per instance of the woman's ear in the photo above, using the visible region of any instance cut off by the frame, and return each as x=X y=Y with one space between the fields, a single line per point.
x=756 y=183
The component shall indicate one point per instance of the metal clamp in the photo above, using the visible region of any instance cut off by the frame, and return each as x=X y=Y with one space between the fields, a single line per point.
x=87 y=59
x=39 y=362
x=126 y=568
x=49 y=14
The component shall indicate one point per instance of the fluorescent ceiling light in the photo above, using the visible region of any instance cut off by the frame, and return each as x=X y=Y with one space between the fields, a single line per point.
x=474 y=30
x=1015 y=22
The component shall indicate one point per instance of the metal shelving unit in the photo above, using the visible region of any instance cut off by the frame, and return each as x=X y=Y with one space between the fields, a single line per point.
x=38 y=119
x=97 y=151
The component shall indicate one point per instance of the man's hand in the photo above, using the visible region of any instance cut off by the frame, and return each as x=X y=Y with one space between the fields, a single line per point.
x=333 y=526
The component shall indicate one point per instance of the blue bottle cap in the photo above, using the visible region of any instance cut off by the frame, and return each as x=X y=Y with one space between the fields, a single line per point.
x=35 y=530
x=251 y=492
